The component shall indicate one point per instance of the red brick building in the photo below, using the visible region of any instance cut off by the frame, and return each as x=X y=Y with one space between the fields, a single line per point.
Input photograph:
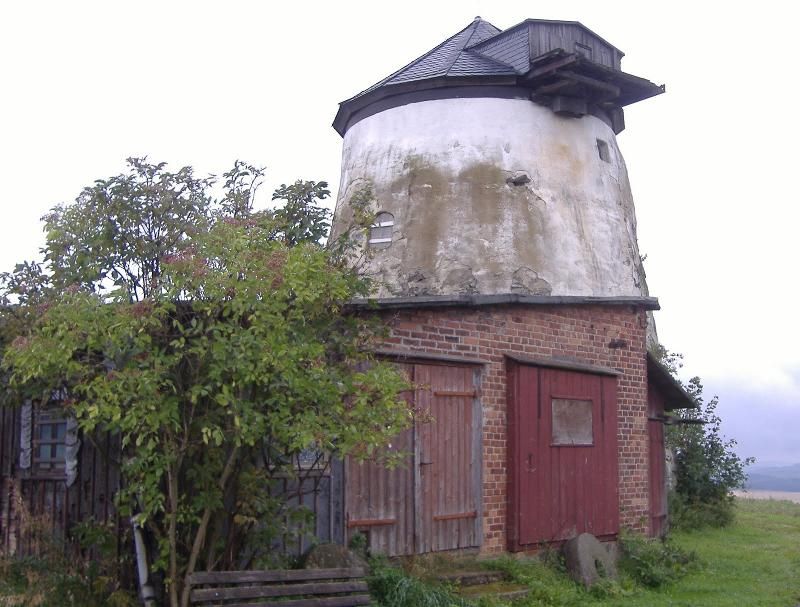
x=506 y=264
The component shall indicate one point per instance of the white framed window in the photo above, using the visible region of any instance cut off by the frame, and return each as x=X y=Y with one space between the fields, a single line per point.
x=49 y=442
x=380 y=233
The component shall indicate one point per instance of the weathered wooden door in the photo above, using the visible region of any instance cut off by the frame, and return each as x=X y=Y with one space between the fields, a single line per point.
x=563 y=455
x=658 y=465
x=432 y=502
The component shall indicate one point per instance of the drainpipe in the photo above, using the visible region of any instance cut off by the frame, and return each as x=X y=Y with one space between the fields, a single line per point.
x=146 y=591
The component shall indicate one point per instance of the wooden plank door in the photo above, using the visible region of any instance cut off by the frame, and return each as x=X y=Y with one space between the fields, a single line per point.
x=447 y=459
x=563 y=455
x=379 y=502
x=657 y=465
x=432 y=502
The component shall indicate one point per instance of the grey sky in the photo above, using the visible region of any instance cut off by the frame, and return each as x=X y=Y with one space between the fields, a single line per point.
x=712 y=162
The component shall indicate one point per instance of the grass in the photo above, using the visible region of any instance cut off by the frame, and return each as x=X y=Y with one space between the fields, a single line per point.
x=753 y=562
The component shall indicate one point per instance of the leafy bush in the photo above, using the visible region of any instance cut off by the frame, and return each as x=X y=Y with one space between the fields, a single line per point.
x=690 y=515
x=57 y=582
x=707 y=469
x=654 y=563
x=392 y=587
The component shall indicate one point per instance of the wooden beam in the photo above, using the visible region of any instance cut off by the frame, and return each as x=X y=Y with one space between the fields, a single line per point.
x=591 y=82
x=371 y=522
x=255 y=592
x=550 y=67
x=273 y=575
x=553 y=87
x=452 y=517
x=454 y=393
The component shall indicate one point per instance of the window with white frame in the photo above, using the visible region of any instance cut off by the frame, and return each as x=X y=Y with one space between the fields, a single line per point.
x=49 y=441
x=380 y=233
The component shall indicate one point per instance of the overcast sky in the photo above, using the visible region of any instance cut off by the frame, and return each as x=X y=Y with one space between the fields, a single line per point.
x=713 y=162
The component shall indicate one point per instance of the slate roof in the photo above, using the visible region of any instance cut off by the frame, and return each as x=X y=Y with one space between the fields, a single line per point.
x=450 y=58
x=479 y=54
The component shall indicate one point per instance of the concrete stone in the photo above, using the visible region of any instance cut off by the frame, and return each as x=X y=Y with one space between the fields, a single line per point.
x=489 y=186
x=588 y=561
x=331 y=556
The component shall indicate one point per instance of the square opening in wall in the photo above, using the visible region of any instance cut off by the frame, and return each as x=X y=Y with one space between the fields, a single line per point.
x=602 y=150
x=572 y=422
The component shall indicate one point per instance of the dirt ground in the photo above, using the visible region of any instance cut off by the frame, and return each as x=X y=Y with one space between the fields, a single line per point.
x=760 y=494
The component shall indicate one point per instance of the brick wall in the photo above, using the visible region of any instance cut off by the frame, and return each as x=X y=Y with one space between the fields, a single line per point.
x=610 y=336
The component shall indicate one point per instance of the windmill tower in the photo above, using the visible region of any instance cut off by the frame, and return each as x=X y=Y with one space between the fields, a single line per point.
x=495 y=163
x=506 y=264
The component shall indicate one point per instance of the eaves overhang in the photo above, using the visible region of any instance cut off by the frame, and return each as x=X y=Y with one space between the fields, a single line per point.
x=471 y=301
x=675 y=395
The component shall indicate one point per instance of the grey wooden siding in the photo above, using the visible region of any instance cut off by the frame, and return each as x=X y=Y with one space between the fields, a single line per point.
x=36 y=507
x=545 y=37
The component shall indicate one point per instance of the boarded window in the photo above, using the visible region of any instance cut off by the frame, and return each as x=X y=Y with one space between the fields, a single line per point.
x=572 y=422
x=380 y=234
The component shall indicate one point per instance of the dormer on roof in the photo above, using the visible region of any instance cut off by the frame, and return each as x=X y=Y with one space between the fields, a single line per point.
x=560 y=64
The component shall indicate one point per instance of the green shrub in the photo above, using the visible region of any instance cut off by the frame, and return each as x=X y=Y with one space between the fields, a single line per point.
x=48 y=582
x=688 y=515
x=654 y=563
x=392 y=587
x=707 y=467
x=545 y=578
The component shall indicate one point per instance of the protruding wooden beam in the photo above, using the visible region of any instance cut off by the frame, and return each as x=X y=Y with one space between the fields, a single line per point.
x=608 y=88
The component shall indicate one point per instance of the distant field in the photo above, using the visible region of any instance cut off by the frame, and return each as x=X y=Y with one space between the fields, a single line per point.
x=774 y=478
x=765 y=494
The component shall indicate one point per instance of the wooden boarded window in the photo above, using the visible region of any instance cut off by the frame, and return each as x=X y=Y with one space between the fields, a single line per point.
x=572 y=422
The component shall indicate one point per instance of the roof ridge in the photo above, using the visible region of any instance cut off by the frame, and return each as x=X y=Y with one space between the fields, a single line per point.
x=499 y=31
x=475 y=23
x=415 y=61
x=474 y=26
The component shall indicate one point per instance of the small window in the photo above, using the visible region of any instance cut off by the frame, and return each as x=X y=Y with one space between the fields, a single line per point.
x=381 y=231
x=311 y=458
x=49 y=442
x=572 y=422
x=602 y=150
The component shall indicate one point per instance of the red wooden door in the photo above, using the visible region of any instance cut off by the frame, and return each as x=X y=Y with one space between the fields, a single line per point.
x=431 y=503
x=563 y=451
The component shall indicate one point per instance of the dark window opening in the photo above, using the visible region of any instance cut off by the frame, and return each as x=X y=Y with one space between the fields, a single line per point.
x=603 y=151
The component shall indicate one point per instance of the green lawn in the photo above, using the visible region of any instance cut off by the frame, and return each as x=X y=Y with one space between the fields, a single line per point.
x=754 y=562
